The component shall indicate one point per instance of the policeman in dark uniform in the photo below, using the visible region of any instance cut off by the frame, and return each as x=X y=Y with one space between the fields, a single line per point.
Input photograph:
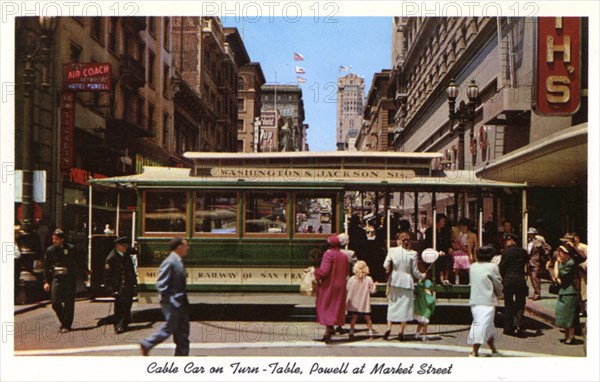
x=59 y=278
x=120 y=279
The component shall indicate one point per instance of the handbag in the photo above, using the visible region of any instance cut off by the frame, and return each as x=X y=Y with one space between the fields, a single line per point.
x=553 y=288
x=308 y=284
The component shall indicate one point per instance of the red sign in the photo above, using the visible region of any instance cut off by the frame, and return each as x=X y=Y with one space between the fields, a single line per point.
x=87 y=77
x=558 y=87
x=37 y=213
x=81 y=176
x=67 y=113
x=267 y=118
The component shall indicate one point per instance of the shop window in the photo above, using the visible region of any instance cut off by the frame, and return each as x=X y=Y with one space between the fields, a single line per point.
x=215 y=213
x=315 y=214
x=266 y=212
x=165 y=212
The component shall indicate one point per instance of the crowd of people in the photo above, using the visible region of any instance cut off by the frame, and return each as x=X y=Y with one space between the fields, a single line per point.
x=496 y=271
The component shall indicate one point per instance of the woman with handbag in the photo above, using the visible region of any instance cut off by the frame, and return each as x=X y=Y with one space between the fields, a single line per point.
x=331 y=294
x=567 y=304
x=401 y=261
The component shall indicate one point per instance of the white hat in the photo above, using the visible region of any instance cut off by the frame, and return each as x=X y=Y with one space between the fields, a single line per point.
x=344 y=239
x=532 y=231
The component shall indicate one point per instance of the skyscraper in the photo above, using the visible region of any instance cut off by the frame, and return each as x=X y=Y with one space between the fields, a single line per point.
x=350 y=99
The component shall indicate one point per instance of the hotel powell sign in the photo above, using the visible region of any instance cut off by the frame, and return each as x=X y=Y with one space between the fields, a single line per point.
x=558 y=86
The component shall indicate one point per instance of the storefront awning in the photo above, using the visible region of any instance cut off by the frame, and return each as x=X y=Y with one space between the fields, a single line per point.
x=558 y=160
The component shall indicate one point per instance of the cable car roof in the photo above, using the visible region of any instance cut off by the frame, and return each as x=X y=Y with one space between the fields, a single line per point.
x=175 y=177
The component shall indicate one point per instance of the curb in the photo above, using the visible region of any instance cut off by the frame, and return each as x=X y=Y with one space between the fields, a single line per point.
x=544 y=315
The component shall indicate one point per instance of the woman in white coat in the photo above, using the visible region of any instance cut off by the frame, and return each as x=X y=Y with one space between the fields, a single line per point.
x=401 y=265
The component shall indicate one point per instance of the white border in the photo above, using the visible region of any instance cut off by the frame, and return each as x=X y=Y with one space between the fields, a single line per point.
x=132 y=368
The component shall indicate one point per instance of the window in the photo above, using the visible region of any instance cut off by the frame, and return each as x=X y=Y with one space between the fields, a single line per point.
x=240 y=125
x=266 y=212
x=166 y=32
x=97 y=29
x=165 y=212
x=315 y=214
x=151 y=60
x=241 y=104
x=112 y=36
x=165 y=130
x=75 y=52
x=152 y=25
x=151 y=128
x=166 y=81
x=216 y=213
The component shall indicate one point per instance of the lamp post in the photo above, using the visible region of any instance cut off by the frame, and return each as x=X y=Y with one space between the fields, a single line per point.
x=34 y=54
x=464 y=114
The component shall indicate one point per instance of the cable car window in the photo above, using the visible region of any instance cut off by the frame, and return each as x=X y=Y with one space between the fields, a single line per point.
x=315 y=214
x=165 y=211
x=215 y=213
x=266 y=212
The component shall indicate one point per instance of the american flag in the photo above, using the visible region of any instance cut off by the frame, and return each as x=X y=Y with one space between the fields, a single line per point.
x=300 y=70
x=300 y=80
x=298 y=57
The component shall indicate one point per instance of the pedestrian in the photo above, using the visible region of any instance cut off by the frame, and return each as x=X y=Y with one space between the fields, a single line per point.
x=538 y=252
x=174 y=302
x=120 y=280
x=401 y=264
x=424 y=307
x=486 y=288
x=513 y=271
x=331 y=295
x=564 y=274
x=582 y=250
x=443 y=243
x=358 y=302
x=59 y=278
x=464 y=247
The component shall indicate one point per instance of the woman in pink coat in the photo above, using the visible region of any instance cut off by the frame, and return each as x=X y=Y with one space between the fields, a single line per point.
x=331 y=295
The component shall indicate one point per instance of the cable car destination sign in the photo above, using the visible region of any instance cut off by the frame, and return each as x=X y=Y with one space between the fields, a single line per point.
x=251 y=173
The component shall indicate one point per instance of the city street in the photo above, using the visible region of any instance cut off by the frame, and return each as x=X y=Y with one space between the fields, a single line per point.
x=240 y=325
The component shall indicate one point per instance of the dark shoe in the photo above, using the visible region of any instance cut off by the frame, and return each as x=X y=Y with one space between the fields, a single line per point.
x=143 y=350
x=339 y=330
x=386 y=335
x=508 y=333
x=400 y=337
x=120 y=330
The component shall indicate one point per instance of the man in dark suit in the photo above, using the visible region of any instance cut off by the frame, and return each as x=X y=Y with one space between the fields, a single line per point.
x=173 y=301
x=513 y=271
x=59 y=278
x=120 y=280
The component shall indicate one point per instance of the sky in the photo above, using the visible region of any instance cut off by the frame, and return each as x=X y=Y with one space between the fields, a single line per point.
x=363 y=43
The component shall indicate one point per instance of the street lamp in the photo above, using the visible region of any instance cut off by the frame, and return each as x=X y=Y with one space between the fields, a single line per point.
x=33 y=55
x=464 y=114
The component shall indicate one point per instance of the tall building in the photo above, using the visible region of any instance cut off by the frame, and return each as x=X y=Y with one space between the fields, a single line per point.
x=249 y=82
x=508 y=139
x=282 y=119
x=107 y=110
x=350 y=103
x=207 y=64
x=378 y=116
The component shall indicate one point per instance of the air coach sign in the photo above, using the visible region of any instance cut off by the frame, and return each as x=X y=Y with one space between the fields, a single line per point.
x=87 y=77
x=558 y=65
